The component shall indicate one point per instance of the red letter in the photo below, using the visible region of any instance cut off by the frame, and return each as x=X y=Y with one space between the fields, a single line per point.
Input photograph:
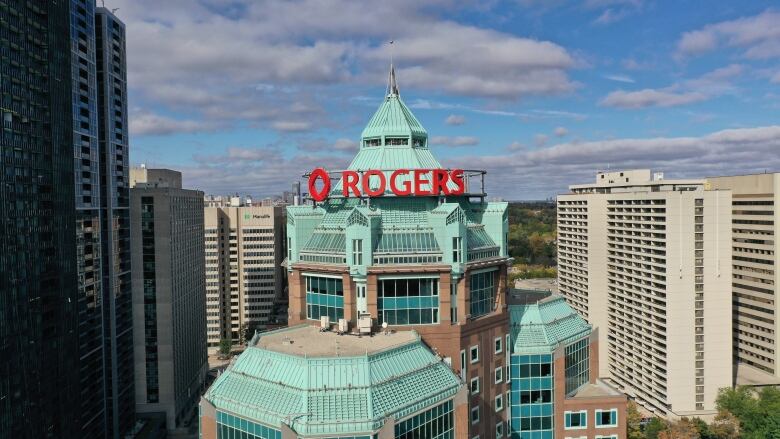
x=367 y=183
x=406 y=184
x=440 y=178
x=419 y=181
x=456 y=175
x=316 y=174
x=349 y=180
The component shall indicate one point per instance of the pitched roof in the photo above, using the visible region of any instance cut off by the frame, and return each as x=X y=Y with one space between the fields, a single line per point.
x=334 y=394
x=543 y=326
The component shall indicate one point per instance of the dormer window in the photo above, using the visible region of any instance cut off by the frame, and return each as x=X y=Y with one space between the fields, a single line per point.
x=418 y=142
x=396 y=141
x=373 y=142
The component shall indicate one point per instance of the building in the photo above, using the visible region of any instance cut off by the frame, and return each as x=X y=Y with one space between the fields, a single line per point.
x=111 y=67
x=555 y=390
x=435 y=264
x=39 y=299
x=755 y=217
x=647 y=261
x=244 y=274
x=169 y=295
x=299 y=382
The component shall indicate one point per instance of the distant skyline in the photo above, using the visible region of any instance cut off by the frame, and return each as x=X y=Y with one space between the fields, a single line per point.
x=244 y=96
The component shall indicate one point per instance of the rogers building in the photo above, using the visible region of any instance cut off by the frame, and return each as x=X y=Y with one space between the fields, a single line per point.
x=414 y=257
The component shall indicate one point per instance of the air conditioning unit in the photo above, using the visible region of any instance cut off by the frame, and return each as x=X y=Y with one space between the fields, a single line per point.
x=324 y=323
x=343 y=326
x=364 y=324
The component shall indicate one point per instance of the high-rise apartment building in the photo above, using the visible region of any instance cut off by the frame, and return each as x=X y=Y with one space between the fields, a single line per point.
x=648 y=262
x=244 y=273
x=169 y=294
x=39 y=295
x=754 y=226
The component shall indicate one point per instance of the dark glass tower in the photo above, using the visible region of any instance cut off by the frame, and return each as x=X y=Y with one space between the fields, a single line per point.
x=39 y=301
x=115 y=221
x=88 y=228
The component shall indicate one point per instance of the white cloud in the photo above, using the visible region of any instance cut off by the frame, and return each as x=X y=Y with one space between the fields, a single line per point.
x=561 y=131
x=291 y=125
x=758 y=36
x=776 y=78
x=650 y=98
x=543 y=172
x=144 y=123
x=455 y=119
x=541 y=139
x=343 y=145
x=454 y=141
x=620 y=78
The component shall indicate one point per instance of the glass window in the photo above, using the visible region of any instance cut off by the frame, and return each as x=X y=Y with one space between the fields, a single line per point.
x=324 y=297
x=483 y=292
x=435 y=423
x=357 y=252
x=530 y=399
x=499 y=375
x=475 y=386
x=499 y=403
x=475 y=415
x=408 y=301
x=229 y=426
x=474 y=354
x=498 y=345
x=499 y=430
x=606 y=418
x=457 y=249
x=575 y=420
x=577 y=365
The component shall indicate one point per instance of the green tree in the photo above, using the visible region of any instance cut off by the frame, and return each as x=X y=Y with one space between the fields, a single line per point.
x=683 y=429
x=654 y=428
x=634 y=422
x=225 y=346
x=725 y=426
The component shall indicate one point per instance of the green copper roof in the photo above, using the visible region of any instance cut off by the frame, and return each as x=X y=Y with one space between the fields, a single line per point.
x=334 y=395
x=394 y=119
x=543 y=326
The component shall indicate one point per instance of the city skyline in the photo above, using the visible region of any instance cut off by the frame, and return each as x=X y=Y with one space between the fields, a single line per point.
x=539 y=95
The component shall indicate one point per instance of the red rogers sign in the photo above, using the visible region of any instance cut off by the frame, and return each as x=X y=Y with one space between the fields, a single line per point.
x=402 y=182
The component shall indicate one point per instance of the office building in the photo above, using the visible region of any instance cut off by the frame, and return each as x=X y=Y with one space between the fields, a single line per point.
x=755 y=216
x=647 y=261
x=244 y=273
x=169 y=295
x=555 y=390
x=40 y=301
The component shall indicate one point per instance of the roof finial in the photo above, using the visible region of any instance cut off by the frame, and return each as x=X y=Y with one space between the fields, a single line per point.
x=392 y=85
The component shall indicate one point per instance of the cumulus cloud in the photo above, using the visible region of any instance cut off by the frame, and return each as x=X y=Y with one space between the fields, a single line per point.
x=707 y=86
x=340 y=145
x=541 y=139
x=543 y=172
x=454 y=141
x=650 y=98
x=620 y=78
x=776 y=78
x=144 y=123
x=561 y=131
x=455 y=119
x=757 y=36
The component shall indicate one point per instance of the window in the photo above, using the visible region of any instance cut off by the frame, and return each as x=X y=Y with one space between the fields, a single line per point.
x=475 y=415
x=575 y=420
x=457 y=251
x=436 y=423
x=606 y=418
x=508 y=403
x=475 y=386
x=357 y=252
x=483 y=292
x=499 y=374
x=463 y=365
x=499 y=430
x=611 y=436
x=474 y=354
x=577 y=365
x=499 y=345
x=408 y=301
x=499 y=401
x=324 y=297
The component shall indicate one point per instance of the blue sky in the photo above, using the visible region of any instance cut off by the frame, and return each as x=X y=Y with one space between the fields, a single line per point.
x=244 y=96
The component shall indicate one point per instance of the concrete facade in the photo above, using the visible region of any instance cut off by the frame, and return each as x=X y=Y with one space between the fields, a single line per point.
x=169 y=295
x=755 y=217
x=244 y=275
x=648 y=262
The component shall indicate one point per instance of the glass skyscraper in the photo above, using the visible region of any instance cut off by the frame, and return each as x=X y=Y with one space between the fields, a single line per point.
x=39 y=301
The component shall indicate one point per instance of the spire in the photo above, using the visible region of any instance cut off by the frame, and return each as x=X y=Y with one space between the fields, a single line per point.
x=392 y=85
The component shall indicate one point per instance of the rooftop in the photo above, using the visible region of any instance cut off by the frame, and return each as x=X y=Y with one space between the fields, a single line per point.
x=309 y=341
x=598 y=389
x=542 y=321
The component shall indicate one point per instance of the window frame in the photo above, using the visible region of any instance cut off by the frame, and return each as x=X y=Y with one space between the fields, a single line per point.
x=471 y=418
x=498 y=375
x=598 y=413
x=498 y=345
x=472 y=350
x=498 y=403
x=471 y=386
x=500 y=430
x=568 y=414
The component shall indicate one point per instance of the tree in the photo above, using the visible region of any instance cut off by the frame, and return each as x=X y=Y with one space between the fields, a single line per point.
x=225 y=346
x=682 y=429
x=634 y=422
x=654 y=428
x=725 y=426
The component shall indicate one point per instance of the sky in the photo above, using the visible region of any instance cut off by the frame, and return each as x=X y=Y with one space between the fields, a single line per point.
x=244 y=96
